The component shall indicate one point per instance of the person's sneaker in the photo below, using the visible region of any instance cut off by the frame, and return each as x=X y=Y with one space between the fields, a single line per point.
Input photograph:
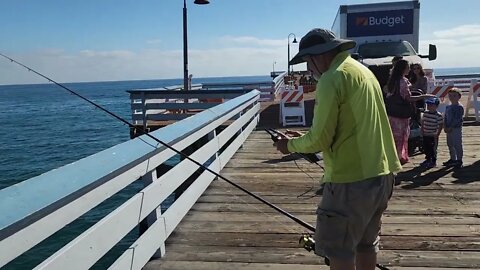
x=450 y=162
x=431 y=164
x=425 y=163
x=458 y=164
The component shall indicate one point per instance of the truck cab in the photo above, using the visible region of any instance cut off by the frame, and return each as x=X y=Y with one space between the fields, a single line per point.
x=377 y=56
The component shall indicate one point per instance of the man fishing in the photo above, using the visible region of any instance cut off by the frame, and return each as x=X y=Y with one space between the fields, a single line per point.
x=350 y=126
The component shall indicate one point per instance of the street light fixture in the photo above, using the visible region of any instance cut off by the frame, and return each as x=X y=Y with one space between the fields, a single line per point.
x=185 y=47
x=288 y=43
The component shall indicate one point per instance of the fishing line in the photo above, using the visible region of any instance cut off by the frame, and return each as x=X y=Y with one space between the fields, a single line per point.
x=287 y=214
x=276 y=135
x=278 y=209
x=309 y=189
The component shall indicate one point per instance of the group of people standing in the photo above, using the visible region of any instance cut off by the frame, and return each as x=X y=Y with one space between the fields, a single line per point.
x=404 y=88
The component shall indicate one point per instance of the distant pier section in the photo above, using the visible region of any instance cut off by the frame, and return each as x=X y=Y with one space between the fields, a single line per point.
x=156 y=108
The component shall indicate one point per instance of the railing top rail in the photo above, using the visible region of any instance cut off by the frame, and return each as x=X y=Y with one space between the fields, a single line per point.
x=189 y=93
x=279 y=78
x=174 y=87
x=239 y=84
x=459 y=76
x=38 y=196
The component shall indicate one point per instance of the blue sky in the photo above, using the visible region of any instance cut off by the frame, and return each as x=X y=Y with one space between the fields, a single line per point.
x=106 y=40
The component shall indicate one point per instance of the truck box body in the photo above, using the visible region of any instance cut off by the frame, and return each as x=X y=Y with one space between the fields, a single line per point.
x=366 y=23
x=382 y=31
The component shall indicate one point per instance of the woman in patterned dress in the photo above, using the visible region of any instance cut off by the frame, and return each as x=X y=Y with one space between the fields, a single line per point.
x=401 y=126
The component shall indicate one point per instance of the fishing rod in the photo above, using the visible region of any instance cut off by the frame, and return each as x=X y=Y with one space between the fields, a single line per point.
x=292 y=217
x=310 y=157
x=306 y=240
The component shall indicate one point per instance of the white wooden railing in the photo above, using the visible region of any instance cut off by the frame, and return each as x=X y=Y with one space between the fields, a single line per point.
x=154 y=107
x=150 y=105
x=266 y=88
x=279 y=84
x=460 y=81
x=33 y=210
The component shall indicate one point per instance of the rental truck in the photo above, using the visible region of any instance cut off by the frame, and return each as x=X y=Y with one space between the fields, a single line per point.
x=382 y=31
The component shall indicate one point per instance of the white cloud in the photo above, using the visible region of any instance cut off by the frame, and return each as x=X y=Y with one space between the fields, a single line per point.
x=154 y=41
x=90 y=65
x=235 y=56
x=459 y=31
x=456 y=47
x=472 y=39
x=252 y=41
x=106 y=54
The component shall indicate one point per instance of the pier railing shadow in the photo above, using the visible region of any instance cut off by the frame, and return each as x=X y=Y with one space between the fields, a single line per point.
x=418 y=179
x=287 y=158
x=470 y=122
x=467 y=174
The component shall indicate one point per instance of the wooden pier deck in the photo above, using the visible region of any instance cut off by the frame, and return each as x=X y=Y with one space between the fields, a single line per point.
x=433 y=220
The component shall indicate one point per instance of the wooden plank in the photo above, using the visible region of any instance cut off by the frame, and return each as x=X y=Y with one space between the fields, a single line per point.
x=285 y=226
x=398 y=193
x=466 y=259
x=181 y=265
x=200 y=265
x=303 y=209
x=290 y=240
x=386 y=219
x=439 y=201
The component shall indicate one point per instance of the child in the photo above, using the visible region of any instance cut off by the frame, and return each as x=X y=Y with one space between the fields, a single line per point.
x=432 y=123
x=453 y=128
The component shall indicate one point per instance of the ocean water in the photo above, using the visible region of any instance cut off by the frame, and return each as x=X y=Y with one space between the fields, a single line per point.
x=457 y=71
x=43 y=127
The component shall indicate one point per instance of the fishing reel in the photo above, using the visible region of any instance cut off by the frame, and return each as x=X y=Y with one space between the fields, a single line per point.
x=307 y=242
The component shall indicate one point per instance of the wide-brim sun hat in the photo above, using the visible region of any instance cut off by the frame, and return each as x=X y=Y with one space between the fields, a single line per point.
x=319 y=41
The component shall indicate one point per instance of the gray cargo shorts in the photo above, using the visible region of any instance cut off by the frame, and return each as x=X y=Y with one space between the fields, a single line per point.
x=349 y=217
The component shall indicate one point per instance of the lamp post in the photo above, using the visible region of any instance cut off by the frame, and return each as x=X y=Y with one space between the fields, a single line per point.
x=288 y=45
x=185 y=43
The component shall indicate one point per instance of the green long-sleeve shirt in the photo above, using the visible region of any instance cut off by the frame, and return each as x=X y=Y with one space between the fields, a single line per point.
x=350 y=125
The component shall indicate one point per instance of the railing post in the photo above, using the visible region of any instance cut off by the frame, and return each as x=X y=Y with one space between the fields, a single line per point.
x=144 y=111
x=475 y=101
x=213 y=136
x=148 y=179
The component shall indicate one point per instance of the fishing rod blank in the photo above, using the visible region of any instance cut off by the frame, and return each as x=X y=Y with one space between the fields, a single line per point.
x=280 y=210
